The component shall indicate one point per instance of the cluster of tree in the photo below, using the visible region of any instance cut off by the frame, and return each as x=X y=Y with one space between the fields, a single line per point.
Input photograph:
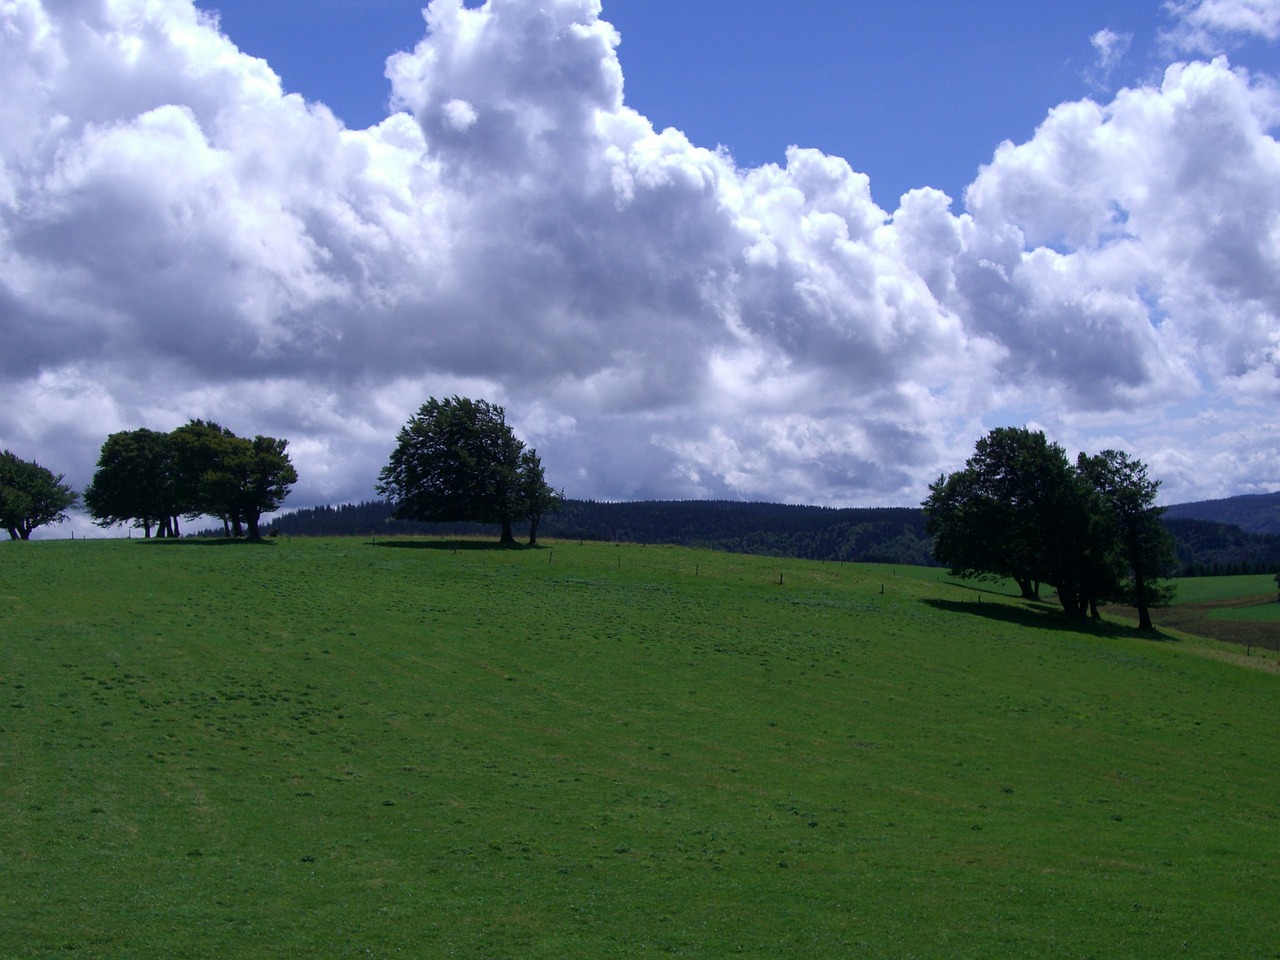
x=1021 y=510
x=31 y=496
x=151 y=479
x=457 y=460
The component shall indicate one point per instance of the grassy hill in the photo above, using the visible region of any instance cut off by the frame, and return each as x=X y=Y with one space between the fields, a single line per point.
x=333 y=748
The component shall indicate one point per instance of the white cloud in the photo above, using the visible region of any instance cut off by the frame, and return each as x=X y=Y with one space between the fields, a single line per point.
x=1110 y=49
x=1206 y=26
x=178 y=238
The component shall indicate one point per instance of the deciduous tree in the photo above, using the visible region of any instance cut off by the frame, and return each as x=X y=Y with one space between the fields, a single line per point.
x=1008 y=512
x=200 y=469
x=261 y=474
x=136 y=482
x=1020 y=509
x=31 y=496
x=458 y=460
x=1143 y=545
x=536 y=498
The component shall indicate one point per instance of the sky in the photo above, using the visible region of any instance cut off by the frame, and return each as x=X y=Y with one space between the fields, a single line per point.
x=804 y=253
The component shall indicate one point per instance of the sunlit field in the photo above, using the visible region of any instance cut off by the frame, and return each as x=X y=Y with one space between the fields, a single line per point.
x=339 y=748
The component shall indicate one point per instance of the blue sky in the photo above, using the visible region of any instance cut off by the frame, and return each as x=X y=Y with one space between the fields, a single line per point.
x=928 y=220
x=913 y=93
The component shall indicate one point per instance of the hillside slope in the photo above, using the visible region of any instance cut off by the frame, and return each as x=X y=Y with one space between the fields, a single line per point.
x=1255 y=513
x=341 y=749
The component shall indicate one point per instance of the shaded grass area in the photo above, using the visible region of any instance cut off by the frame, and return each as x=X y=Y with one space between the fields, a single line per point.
x=333 y=749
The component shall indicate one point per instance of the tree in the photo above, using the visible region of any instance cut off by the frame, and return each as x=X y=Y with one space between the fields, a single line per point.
x=1143 y=544
x=536 y=498
x=458 y=460
x=200 y=469
x=261 y=475
x=232 y=478
x=1020 y=509
x=136 y=481
x=1013 y=511
x=207 y=481
x=31 y=496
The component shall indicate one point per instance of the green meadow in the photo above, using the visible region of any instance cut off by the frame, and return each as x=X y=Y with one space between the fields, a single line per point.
x=339 y=748
x=1259 y=587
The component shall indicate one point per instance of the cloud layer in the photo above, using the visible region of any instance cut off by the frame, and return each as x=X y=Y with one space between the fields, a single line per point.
x=180 y=238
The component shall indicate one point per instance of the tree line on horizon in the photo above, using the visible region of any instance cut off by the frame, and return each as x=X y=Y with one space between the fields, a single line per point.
x=891 y=535
x=458 y=469
x=865 y=534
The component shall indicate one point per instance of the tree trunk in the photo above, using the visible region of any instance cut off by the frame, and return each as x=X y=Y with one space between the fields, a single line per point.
x=1144 y=621
x=533 y=531
x=507 y=536
x=1140 y=598
x=1075 y=607
x=253 y=521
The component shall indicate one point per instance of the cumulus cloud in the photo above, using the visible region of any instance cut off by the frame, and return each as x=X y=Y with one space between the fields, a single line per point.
x=1206 y=26
x=180 y=238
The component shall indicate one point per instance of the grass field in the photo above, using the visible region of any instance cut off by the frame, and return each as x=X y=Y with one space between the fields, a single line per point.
x=334 y=748
x=1261 y=587
x=1241 y=610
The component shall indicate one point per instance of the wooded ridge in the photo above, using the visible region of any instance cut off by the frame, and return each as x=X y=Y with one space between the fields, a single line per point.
x=865 y=534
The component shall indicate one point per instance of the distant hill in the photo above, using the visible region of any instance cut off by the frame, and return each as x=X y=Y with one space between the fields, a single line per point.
x=868 y=534
x=1205 y=546
x=1253 y=513
x=873 y=535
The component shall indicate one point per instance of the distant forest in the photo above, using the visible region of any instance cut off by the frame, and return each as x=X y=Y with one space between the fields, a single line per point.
x=873 y=535
x=1252 y=513
x=1206 y=547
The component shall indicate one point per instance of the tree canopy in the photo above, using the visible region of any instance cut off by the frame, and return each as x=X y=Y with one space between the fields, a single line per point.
x=136 y=482
x=1020 y=509
x=31 y=496
x=151 y=479
x=457 y=459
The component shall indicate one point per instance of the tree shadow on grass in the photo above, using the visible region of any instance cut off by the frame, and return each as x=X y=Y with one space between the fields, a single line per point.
x=452 y=545
x=1044 y=617
x=995 y=588
x=207 y=542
